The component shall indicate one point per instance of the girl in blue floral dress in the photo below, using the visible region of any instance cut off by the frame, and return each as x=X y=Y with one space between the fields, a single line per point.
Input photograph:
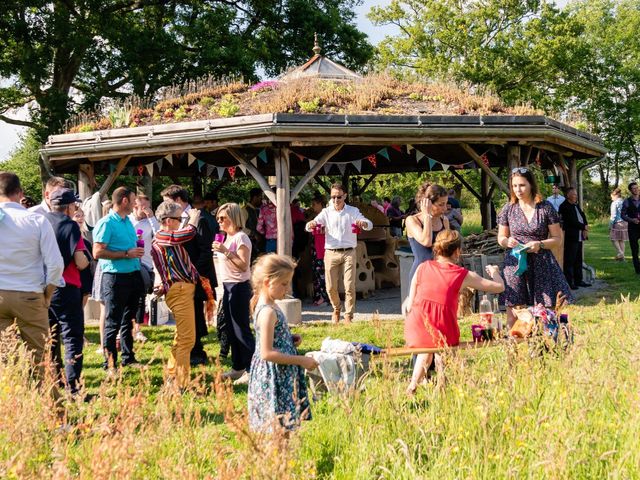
x=277 y=387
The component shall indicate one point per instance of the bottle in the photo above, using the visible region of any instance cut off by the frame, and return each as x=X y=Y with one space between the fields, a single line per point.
x=497 y=317
x=140 y=241
x=486 y=312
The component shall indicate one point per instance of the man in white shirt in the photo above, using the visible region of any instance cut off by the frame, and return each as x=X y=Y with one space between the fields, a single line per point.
x=31 y=268
x=142 y=218
x=53 y=184
x=341 y=223
x=556 y=199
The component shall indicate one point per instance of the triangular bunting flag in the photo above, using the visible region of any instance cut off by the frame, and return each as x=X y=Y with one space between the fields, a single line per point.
x=445 y=167
x=419 y=156
x=409 y=148
x=130 y=171
x=342 y=167
x=220 y=172
x=200 y=164
x=254 y=162
x=159 y=163
x=485 y=158
x=210 y=169
x=432 y=163
x=243 y=168
x=327 y=167
x=372 y=160
x=149 y=169
x=358 y=165
x=381 y=183
x=232 y=172
x=397 y=147
x=300 y=157
x=312 y=163
x=384 y=152
x=112 y=167
x=263 y=156
x=140 y=169
x=190 y=159
x=169 y=158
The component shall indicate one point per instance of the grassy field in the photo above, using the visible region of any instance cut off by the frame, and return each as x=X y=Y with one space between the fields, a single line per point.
x=504 y=412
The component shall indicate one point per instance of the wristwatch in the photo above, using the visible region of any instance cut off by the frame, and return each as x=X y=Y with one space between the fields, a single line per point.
x=126 y=254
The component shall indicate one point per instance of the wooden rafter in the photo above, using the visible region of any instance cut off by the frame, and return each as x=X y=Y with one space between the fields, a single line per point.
x=476 y=158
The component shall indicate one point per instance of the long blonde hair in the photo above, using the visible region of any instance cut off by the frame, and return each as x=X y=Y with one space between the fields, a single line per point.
x=269 y=267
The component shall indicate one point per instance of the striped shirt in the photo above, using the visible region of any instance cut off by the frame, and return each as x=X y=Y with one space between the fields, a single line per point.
x=171 y=259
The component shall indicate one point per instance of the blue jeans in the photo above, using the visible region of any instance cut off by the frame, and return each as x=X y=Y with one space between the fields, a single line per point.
x=271 y=245
x=120 y=293
x=66 y=321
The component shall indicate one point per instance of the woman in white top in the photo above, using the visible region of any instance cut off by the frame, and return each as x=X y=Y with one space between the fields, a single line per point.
x=618 y=228
x=234 y=262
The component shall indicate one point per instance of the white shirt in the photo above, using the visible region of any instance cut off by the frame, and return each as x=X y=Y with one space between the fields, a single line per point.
x=149 y=227
x=337 y=224
x=29 y=258
x=41 y=208
x=556 y=201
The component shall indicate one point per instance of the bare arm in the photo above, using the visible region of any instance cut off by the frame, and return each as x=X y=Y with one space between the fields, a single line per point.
x=504 y=237
x=423 y=234
x=100 y=251
x=475 y=281
x=240 y=258
x=267 y=323
x=406 y=305
x=80 y=259
x=555 y=235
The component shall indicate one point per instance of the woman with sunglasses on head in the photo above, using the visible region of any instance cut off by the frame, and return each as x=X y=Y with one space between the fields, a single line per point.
x=424 y=226
x=235 y=273
x=531 y=221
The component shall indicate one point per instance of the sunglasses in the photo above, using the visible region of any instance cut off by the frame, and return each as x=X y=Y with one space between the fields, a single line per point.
x=520 y=170
x=221 y=218
x=337 y=197
x=175 y=218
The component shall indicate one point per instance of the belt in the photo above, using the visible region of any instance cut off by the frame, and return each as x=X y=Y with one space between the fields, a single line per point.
x=340 y=249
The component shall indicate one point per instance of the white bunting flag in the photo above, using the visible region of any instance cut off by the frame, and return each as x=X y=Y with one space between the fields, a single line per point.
x=190 y=159
x=445 y=167
x=358 y=165
x=327 y=167
x=409 y=148
x=342 y=167
x=312 y=163
x=254 y=161
x=243 y=168
x=169 y=158
x=419 y=156
x=150 y=169
x=210 y=169
x=159 y=163
x=221 y=172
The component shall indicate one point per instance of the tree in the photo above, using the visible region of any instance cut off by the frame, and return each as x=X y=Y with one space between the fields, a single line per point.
x=24 y=163
x=67 y=56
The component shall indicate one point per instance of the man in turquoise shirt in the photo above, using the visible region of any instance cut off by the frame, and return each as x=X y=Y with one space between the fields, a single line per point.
x=114 y=244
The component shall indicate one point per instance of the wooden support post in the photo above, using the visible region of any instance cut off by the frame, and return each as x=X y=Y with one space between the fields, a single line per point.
x=485 y=203
x=478 y=160
x=113 y=175
x=257 y=176
x=493 y=185
x=283 y=203
x=466 y=184
x=513 y=157
x=196 y=183
x=314 y=170
x=146 y=186
x=573 y=173
x=86 y=180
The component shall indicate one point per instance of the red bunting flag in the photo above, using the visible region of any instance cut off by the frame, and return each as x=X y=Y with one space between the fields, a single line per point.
x=372 y=160
x=538 y=159
x=140 y=170
x=300 y=157
x=485 y=159
x=397 y=147
x=232 y=172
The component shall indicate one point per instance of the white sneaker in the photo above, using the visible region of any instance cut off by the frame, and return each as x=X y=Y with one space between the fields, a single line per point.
x=139 y=337
x=99 y=351
x=243 y=380
x=233 y=374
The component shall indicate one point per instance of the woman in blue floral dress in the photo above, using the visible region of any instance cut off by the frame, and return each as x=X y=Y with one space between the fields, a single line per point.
x=277 y=388
x=531 y=221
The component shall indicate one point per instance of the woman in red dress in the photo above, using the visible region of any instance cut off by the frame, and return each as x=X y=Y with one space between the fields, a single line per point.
x=431 y=310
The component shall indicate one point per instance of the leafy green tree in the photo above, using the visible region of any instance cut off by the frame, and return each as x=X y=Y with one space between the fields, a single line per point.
x=66 y=56
x=24 y=163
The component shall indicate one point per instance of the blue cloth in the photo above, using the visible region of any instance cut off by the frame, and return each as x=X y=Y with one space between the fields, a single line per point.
x=367 y=348
x=520 y=252
x=119 y=236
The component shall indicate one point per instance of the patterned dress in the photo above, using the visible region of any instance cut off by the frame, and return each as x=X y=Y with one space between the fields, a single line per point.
x=543 y=278
x=317 y=268
x=276 y=392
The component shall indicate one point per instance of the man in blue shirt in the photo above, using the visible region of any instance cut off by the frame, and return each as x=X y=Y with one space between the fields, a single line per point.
x=114 y=244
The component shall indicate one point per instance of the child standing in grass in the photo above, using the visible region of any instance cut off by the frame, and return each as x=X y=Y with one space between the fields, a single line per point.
x=277 y=388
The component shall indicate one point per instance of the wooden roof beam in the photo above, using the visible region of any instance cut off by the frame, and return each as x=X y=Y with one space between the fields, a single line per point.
x=113 y=175
x=548 y=146
x=257 y=176
x=478 y=160
x=314 y=171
